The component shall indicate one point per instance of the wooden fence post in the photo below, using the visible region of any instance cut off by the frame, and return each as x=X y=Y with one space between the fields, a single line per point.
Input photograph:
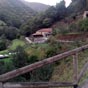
x=1 y=85
x=75 y=86
x=75 y=69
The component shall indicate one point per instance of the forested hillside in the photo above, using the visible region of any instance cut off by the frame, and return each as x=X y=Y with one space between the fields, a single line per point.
x=37 y=6
x=18 y=14
x=14 y=12
x=54 y=14
x=18 y=21
x=78 y=6
x=45 y=19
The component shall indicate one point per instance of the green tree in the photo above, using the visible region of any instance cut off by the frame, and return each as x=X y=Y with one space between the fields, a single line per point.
x=2 y=68
x=47 y=22
x=77 y=6
x=61 y=9
x=3 y=45
x=83 y=25
x=11 y=33
x=51 y=13
x=31 y=26
x=42 y=74
x=20 y=57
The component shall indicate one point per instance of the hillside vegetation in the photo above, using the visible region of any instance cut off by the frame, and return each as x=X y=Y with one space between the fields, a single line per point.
x=39 y=7
x=14 y=12
x=18 y=20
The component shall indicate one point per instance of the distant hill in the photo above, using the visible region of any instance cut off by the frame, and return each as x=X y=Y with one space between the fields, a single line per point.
x=15 y=12
x=37 y=6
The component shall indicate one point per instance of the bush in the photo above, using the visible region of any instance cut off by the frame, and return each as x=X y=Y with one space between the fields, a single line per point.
x=2 y=68
x=42 y=74
x=2 y=44
x=19 y=57
x=47 y=22
x=73 y=28
x=83 y=25
x=5 y=66
x=32 y=59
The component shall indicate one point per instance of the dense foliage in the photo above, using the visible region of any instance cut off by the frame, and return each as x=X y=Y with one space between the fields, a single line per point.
x=19 y=59
x=3 y=45
x=83 y=25
x=77 y=7
x=79 y=26
x=45 y=19
x=16 y=19
x=36 y=6
x=53 y=14
x=9 y=32
x=14 y=12
x=17 y=14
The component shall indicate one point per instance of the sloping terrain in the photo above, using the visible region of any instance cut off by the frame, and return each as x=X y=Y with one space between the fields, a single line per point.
x=14 y=11
x=37 y=6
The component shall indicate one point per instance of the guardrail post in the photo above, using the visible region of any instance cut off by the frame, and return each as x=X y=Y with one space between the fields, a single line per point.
x=75 y=69
x=1 y=85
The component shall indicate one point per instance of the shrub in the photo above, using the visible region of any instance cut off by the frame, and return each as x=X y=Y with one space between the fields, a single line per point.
x=73 y=27
x=42 y=74
x=2 y=44
x=83 y=25
x=19 y=57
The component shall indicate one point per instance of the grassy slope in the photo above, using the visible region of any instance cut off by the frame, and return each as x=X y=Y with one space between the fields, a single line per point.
x=64 y=71
x=36 y=49
x=16 y=43
x=13 y=45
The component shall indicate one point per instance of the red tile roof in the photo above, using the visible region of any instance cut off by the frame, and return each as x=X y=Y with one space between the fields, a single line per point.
x=37 y=33
x=45 y=30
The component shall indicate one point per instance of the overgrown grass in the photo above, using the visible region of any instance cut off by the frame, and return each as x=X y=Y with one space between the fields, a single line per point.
x=63 y=72
x=4 y=52
x=6 y=60
x=37 y=50
x=15 y=43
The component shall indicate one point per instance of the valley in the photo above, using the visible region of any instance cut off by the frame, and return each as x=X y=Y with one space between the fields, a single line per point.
x=30 y=34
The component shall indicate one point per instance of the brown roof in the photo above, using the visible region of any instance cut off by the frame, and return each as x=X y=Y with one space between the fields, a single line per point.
x=45 y=30
x=37 y=33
